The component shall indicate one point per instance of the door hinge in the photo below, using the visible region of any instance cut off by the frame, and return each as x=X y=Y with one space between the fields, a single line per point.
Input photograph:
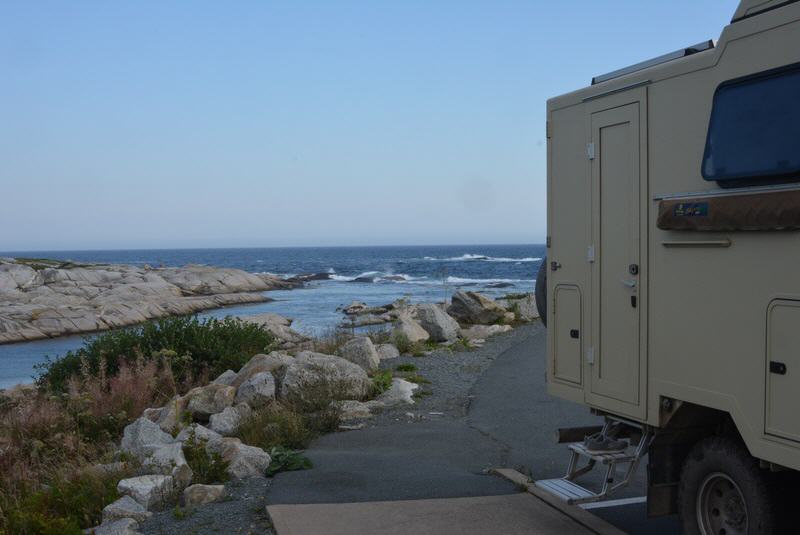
x=590 y=254
x=590 y=356
x=590 y=150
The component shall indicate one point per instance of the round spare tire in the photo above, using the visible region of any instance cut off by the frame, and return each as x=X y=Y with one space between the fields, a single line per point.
x=541 y=291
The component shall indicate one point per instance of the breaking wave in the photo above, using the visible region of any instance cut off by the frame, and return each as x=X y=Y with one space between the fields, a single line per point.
x=481 y=258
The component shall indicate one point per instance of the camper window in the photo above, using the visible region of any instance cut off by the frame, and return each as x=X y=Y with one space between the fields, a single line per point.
x=754 y=132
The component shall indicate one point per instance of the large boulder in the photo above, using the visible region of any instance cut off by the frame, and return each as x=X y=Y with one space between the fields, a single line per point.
x=472 y=307
x=262 y=363
x=123 y=526
x=125 y=507
x=316 y=374
x=278 y=326
x=387 y=351
x=167 y=417
x=199 y=433
x=523 y=307
x=361 y=351
x=243 y=460
x=206 y=400
x=410 y=330
x=481 y=332
x=142 y=437
x=150 y=491
x=400 y=393
x=225 y=378
x=169 y=460
x=202 y=494
x=437 y=323
x=227 y=422
x=257 y=391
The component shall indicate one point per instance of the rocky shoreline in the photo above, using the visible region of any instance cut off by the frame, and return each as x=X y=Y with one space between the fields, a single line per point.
x=45 y=298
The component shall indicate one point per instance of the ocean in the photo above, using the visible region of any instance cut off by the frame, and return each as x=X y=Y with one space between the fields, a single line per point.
x=374 y=275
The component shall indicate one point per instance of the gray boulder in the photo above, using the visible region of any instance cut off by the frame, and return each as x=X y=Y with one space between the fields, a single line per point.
x=125 y=507
x=212 y=439
x=142 y=437
x=481 y=332
x=400 y=393
x=123 y=526
x=202 y=494
x=387 y=351
x=361 y=351
x=227 y=422
x=169 y=460
x=438 y=324
x=261 y=363
x=225 y=378
x=472 y=307
x=150 y=491
x=244 y=461
x=409 y=329
x=257 y=391
x=206 y=400
x=352 y=409
x=324 y=375
x=525 y=307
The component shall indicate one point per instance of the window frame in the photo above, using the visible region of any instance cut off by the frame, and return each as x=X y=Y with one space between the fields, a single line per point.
x=748 y=180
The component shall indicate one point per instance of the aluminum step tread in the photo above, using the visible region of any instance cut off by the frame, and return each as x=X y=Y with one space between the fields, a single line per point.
x=565 y=489
x=604 y=458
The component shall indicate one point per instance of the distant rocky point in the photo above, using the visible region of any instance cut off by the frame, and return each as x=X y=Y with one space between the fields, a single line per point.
x=42 y=298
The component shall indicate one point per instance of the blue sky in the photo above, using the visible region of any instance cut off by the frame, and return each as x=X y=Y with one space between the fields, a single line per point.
x=209 y=124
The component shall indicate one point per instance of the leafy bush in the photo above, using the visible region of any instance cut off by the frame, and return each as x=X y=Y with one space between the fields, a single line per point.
x=406 y=368
x=402 y=343
x=286 y=460
x=191 y=346
x=275 y=425
x=207 y=468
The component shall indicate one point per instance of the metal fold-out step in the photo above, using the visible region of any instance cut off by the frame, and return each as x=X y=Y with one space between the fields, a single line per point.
x=571 y=492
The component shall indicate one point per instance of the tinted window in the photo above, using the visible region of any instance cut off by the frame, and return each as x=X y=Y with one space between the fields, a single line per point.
x=755 y=129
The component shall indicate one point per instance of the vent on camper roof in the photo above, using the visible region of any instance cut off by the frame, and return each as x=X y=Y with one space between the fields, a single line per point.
x=683 y=52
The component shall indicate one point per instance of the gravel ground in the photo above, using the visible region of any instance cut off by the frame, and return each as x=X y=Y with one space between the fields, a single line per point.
x=447 y=395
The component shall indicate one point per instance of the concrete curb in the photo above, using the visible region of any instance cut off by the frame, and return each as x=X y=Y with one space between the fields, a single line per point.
x=582 y=517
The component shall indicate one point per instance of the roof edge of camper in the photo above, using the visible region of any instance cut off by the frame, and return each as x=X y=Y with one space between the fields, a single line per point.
x=682 y=53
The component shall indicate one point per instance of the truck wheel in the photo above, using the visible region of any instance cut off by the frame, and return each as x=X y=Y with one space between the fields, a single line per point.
x=541 y=291
x=724 y=492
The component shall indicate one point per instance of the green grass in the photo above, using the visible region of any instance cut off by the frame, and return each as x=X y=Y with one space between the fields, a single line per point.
x=514 y=296
x=406 y=368
x=381 y=382
x=417 y=379
x=62 y=507
x=190 y=345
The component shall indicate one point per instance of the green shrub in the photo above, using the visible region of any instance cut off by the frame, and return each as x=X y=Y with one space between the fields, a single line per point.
x=406 y=368
x=381 y=382
x=62 y=507
x=207 y=468
x=286 y=460
x=417 y=379
x=275 y=425
x=191 y=347
x=402 y=342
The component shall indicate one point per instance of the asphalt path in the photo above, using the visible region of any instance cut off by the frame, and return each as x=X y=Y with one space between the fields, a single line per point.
x=508 y=422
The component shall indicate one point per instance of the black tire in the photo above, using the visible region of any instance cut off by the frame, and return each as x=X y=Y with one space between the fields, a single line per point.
x=722 y=480
x=541 y=291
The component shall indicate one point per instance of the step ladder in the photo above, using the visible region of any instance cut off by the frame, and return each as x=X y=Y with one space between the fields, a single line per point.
x=571 y=492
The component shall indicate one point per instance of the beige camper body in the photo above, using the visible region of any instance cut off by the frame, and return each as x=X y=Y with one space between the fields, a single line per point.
x=679 y=328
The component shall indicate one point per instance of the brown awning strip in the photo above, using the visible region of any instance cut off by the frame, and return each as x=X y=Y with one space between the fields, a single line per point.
x=754 y=211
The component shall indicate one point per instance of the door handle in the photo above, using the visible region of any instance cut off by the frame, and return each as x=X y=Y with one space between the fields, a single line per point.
x=628 y=283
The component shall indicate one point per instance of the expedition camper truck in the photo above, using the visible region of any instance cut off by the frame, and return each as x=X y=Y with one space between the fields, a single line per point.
x=673 y=273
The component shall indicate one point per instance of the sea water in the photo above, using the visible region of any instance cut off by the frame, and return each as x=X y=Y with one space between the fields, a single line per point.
x=374 y=275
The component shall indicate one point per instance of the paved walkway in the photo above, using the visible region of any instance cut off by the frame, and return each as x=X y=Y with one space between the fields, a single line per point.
x=509 y=514
x=509 y=422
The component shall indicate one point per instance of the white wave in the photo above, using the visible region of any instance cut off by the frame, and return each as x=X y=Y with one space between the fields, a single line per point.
x=366 y=274
x=331 y=271
x=462 y=280
x=482 y=258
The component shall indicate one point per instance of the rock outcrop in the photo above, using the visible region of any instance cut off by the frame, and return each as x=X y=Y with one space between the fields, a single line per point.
x=409 y=330
x=437 y=323
x=361 y=351
x=314 y=373
x=472 y=307
x=42 y=299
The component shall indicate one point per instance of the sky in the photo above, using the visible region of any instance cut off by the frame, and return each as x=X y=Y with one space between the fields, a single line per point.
x=163 y=124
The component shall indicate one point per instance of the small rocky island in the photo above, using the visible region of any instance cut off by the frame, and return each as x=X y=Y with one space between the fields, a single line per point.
x=46 y=298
